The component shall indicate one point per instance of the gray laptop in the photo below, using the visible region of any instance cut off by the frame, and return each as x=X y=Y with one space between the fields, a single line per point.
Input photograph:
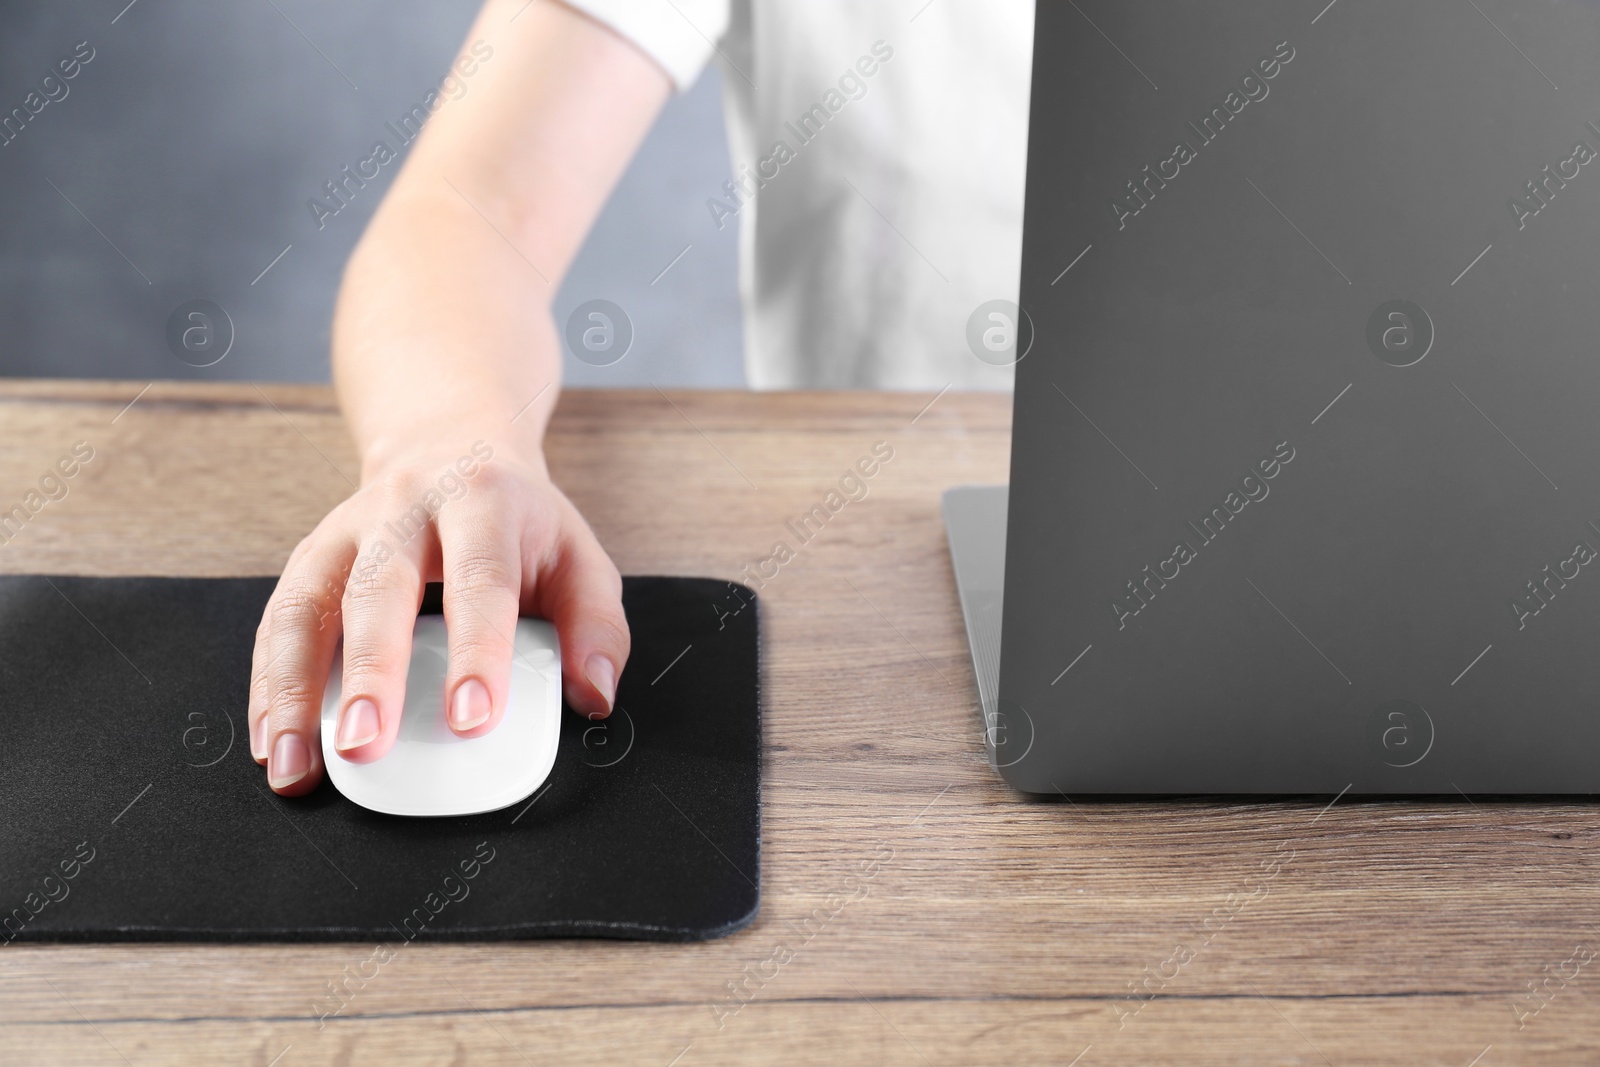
x=1305 y=475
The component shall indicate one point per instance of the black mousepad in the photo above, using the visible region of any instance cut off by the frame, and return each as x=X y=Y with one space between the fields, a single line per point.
x=130 y=808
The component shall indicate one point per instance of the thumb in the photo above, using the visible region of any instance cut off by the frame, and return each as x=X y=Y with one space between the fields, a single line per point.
x=579 y=590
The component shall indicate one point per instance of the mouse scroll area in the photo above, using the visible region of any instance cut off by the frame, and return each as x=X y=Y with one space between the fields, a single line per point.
x=431 y=771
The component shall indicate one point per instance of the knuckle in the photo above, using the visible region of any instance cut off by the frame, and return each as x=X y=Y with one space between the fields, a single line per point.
x=369 y=571
x=545 y=513
x=479 y=569
x=304 y=545
x=609 y=628
x=293 y=693
x=599 y=572
x=363 y=595
x=607 y=573
x=396 y=485
x=482 y=475
x=367 y=660
x=303 y=603
x=379 y=587
x=474 y=647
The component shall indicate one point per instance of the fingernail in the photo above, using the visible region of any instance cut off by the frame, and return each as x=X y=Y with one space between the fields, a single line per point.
x=470 y=707
x=291 y=760
x=358 y=726
x=258 y=738
x=603 y=676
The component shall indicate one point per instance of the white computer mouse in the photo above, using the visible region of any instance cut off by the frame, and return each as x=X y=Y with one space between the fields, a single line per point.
x=432 y=771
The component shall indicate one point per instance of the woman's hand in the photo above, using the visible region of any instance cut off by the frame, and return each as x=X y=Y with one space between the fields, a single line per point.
x=491 y=526
x=442 y=334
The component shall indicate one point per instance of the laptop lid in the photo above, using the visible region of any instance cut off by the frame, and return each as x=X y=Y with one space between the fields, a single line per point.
x=1304 y=479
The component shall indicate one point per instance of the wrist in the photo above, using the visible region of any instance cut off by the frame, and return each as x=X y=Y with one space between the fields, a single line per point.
x=451 y=442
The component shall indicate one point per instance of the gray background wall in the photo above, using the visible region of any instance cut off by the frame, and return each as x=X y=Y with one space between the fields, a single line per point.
x=189 y=146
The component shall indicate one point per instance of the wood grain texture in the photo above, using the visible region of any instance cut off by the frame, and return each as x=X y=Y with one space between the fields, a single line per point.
x=995 y=930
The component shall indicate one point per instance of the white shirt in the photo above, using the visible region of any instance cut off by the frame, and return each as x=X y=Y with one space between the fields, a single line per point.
x=881 y=151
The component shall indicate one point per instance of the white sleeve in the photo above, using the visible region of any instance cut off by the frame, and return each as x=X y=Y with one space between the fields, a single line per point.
x=680 y=35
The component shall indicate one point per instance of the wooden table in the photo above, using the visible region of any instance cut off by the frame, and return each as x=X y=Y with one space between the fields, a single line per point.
x=996 y=930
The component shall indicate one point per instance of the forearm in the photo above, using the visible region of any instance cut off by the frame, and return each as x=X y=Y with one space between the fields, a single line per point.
x=443 y=331
x=443 y=326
